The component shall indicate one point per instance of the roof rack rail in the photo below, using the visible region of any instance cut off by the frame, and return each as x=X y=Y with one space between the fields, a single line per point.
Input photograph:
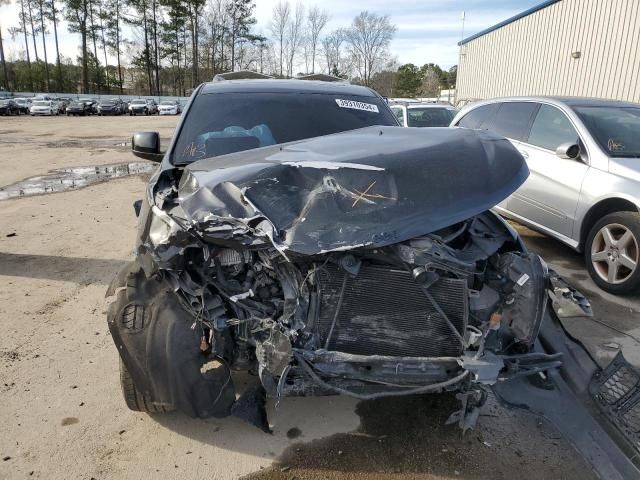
x=240 y=75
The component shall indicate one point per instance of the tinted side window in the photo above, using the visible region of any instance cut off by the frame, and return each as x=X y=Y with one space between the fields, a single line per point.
x=513 y=119
x=478 y=117
x=551 y=128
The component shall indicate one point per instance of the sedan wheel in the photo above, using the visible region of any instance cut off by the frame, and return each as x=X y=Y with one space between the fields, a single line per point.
x=613 y=252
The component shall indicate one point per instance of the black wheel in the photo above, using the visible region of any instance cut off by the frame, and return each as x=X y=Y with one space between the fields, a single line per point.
x=135 y=400
x=612 y=252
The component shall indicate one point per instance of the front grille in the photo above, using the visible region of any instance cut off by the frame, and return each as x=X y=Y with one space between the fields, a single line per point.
x=384 y=311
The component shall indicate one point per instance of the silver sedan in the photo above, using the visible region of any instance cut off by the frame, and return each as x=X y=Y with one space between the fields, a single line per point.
x=584 y=185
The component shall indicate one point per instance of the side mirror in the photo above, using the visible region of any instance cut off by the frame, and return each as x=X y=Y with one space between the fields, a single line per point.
x=568 y=151
x=147 y=145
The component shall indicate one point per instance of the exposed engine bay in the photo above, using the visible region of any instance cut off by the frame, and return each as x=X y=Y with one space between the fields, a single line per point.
x=418 y=307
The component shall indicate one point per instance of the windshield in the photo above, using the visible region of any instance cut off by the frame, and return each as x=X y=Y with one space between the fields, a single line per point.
x=429 y=117
x=172 y=104
x=218 y=124
x=41 y=104
x=616 y=129
x=108 y=102
x=138 y=102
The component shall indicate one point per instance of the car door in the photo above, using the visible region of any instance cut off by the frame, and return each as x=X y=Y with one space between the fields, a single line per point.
x=549 y=197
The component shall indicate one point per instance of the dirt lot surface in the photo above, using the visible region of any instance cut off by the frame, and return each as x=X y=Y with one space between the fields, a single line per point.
x=62 y=414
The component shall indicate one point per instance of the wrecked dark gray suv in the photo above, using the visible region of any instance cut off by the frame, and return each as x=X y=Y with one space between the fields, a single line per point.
x=294 y=232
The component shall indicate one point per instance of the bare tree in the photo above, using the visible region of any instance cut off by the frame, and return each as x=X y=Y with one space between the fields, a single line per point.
x=368 y=38
x=41 y=10
x=77 y=13
x=279 y=27
x=4 y=63
x=52 y=15
x=430 y=83
x=332 y=50
x=316 y=21
x=22 y=28
x=295 y=37
x=34 y=29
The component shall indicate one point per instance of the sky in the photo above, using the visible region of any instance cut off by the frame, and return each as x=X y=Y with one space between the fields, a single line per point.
x=428 y=30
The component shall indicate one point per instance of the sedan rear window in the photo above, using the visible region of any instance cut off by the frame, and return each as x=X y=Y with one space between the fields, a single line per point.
x=429 y=117
x=218 y=124
x=479 y=118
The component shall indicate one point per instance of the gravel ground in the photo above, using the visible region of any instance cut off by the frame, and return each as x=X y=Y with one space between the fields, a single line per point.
x=62 y=412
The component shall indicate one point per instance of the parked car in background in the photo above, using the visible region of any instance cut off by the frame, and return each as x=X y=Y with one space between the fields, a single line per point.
x=63 y=103
x=24 y=104
x=44 y=107
x=9 y=107
x=91 y=103
x=78 y=107
x=417 y=114
x=170 y=107
x=110 y=107
x=142 y=106
x=584 y=185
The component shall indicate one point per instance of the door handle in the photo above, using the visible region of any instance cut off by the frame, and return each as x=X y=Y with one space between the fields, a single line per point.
x=524 y=153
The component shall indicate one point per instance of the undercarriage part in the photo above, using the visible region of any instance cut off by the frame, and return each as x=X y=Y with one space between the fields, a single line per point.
x=162 y=353
x=384 y=311
x=436 y=387
x=250 y=407
x=471 y=401
x=567 y=302
x=616 y=391
x=381 y=370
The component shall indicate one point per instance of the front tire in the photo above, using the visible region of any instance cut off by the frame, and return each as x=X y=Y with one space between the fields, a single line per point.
x=136 y=400
x=612 y=252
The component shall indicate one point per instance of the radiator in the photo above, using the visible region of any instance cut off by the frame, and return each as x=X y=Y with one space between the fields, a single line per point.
x=383 y=311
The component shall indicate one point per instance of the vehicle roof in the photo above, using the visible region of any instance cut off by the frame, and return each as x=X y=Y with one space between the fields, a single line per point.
x=430 y=105
x=285 y=86
x=421 y=104
x=568 y=101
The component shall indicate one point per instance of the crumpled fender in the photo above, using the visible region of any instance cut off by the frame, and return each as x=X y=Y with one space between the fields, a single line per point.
x=152 y=332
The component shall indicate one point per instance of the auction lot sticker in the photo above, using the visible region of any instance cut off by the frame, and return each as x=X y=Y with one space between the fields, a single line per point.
x=367 y=107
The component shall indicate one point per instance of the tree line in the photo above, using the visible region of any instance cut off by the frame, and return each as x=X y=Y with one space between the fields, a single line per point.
x=167 y=47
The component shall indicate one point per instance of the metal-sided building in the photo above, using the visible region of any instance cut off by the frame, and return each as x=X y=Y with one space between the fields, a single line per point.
x=561 y=47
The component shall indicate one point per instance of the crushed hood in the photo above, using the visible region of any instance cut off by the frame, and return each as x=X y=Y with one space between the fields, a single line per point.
x=370 y=187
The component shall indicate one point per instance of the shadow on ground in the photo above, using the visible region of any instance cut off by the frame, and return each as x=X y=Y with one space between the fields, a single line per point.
x=72 y=269
x=407 y=437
